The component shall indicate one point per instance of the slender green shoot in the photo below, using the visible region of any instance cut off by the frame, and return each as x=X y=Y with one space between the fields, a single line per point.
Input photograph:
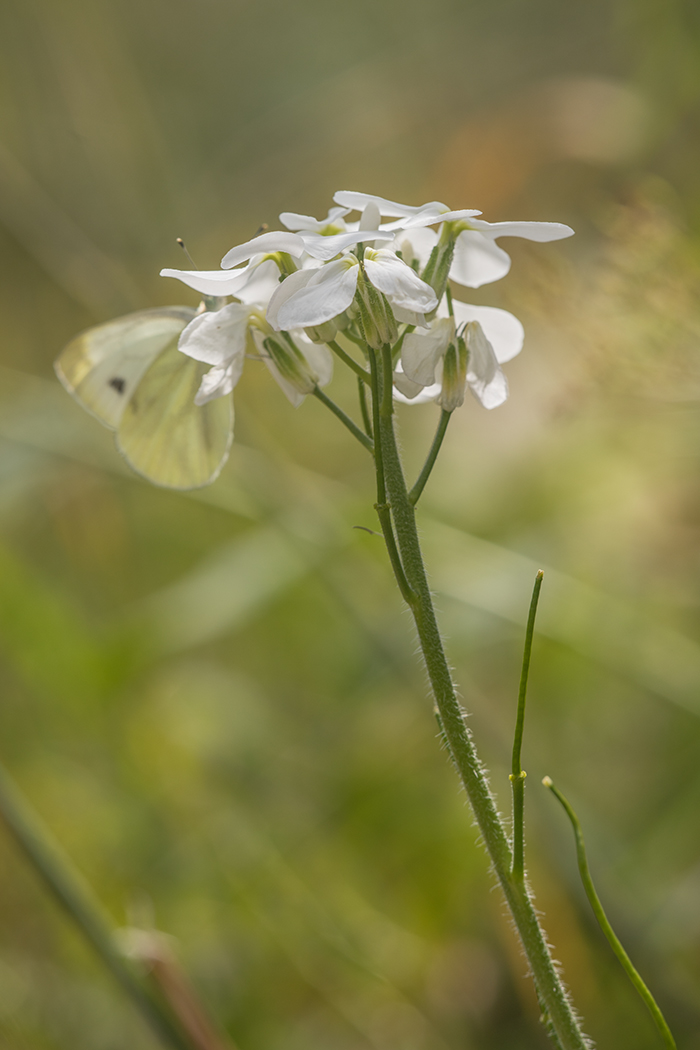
x=357 y=368
x=415 y=493
x=604 y=924
x=364 y=408
x=76 y=898
x=344 y=419
x=517 y=776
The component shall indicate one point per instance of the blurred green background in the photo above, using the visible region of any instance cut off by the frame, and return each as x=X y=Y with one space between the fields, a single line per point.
x=213 y=699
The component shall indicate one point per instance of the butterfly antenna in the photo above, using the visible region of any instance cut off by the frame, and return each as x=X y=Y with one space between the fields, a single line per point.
x=262 y=228
x=184 y=248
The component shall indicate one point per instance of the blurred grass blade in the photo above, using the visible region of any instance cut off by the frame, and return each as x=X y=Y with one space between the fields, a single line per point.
x=603 y=922
x=154 y=949
x=75 y=896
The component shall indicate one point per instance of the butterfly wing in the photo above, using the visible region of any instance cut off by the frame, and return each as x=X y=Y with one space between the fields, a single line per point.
x=129 y=374
x=164 y=435
x=102 y=367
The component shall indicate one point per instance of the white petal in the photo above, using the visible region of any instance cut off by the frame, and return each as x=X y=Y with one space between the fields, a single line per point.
x=336 y=215
x=263 y=282
x=287 y=388
x=422 y=351
x=418 y=244
x=294 y=221
x=330 y=290
x=285 y=290
x=429 y=393
x=319 y=357
x=502 y=329
x=484 y=376
x=217 y=336
x=371 y=217
x=429 y=216
x=274 y=241
x=532 y=231
x=325 y=248
x=211 y=282
x=399 y=282
x=478 y=260
x=406 y=386
x=409 y=317
x=218 y=382
x=358 y=201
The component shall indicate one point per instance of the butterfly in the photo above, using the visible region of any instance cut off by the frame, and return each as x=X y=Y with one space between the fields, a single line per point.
x=130 y=375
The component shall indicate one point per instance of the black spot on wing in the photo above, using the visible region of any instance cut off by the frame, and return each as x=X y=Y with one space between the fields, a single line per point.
x=118 y=384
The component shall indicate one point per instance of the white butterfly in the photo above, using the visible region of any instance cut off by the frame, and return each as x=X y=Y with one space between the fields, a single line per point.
x=130 y=375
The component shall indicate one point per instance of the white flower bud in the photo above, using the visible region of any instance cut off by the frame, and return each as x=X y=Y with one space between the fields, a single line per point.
x=290 y=364
x=323 y=333
x=378 y=321
x=454 y=376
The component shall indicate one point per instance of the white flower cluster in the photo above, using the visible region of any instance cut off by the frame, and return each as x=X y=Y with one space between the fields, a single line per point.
x=380 y=278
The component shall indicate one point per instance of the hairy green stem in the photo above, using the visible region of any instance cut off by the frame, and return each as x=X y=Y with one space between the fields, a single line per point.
x=517 y=776
x=604 y=923
x=553 y=997
x=74 y=896
x=381 y=506
x=344 y=419
x=421 y=481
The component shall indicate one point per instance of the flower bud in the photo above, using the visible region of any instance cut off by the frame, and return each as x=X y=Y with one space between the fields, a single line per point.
x=290 y=364
x=377 y=317
x=323 y=333
x=454 y=376
x=438 y=266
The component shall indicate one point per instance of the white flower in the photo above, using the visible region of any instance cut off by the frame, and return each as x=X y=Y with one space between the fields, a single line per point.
x=410 y=393
x=333 y=223
x=251 y=283
x=491 y=337
x=477 y=258
x=325 y=247
x=484 y=376
x=220 y=338
x=326 y=238
x=403 y=213
x=311 y=297
x=274 y=241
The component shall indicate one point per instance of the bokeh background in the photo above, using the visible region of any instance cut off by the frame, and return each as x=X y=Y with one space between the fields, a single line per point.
x=213 y=699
